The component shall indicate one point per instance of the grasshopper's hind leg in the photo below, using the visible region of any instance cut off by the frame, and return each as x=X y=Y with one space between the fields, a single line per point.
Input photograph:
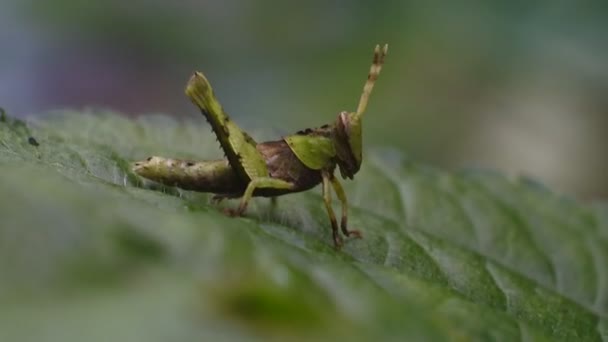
x=258 y=183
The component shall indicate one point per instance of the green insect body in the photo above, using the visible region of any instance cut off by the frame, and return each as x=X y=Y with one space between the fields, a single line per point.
x=294 y=163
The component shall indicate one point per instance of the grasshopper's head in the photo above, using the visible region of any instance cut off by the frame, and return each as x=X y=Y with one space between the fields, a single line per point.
x=348 y=143
x=347 y=131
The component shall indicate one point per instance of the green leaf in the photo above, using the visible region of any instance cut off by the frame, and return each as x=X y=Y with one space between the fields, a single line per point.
x=88 y=251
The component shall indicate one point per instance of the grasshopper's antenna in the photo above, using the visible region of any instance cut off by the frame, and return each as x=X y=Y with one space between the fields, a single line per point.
x=374 y=71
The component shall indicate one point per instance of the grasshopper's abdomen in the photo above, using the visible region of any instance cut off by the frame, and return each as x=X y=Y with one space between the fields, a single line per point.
x=215 y=176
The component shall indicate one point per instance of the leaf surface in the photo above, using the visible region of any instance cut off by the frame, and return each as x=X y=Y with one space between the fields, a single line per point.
x=88 y=251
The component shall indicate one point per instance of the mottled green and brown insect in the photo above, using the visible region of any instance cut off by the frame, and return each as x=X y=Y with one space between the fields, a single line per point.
x=293 y=163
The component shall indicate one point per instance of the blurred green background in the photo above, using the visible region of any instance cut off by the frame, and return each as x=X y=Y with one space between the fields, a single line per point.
x=519 y=86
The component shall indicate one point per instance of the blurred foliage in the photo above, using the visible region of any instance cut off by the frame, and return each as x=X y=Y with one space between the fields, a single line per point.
x=90 y=252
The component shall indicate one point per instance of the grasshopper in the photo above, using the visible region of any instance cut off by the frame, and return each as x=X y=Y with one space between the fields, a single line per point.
x=291 y=164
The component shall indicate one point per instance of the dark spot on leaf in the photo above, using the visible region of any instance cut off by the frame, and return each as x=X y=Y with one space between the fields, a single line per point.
x=189 y=163
x=149 y=158
x=135 y=244
x=263 y=304
x=32 y=141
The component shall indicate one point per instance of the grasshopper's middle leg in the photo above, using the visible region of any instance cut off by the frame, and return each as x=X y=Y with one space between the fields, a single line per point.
x=342 y=197
x=273 y=203
x=259 y=183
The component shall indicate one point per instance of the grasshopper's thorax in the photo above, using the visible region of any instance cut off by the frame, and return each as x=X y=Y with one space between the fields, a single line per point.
x=347 y=137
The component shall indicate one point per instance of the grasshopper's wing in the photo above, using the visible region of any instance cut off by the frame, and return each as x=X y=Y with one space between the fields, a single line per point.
x=314 y=151
x=239 y=147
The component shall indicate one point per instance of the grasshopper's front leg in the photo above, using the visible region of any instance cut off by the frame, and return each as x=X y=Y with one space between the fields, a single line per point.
x=342 y=197
x=330 y=211
x=330 y=179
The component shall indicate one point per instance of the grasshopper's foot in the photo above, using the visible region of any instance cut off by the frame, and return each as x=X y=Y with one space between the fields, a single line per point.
x=349 y=232
x=238 y=211
x=354 y=233
x=232 y=212
x=337 y=240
